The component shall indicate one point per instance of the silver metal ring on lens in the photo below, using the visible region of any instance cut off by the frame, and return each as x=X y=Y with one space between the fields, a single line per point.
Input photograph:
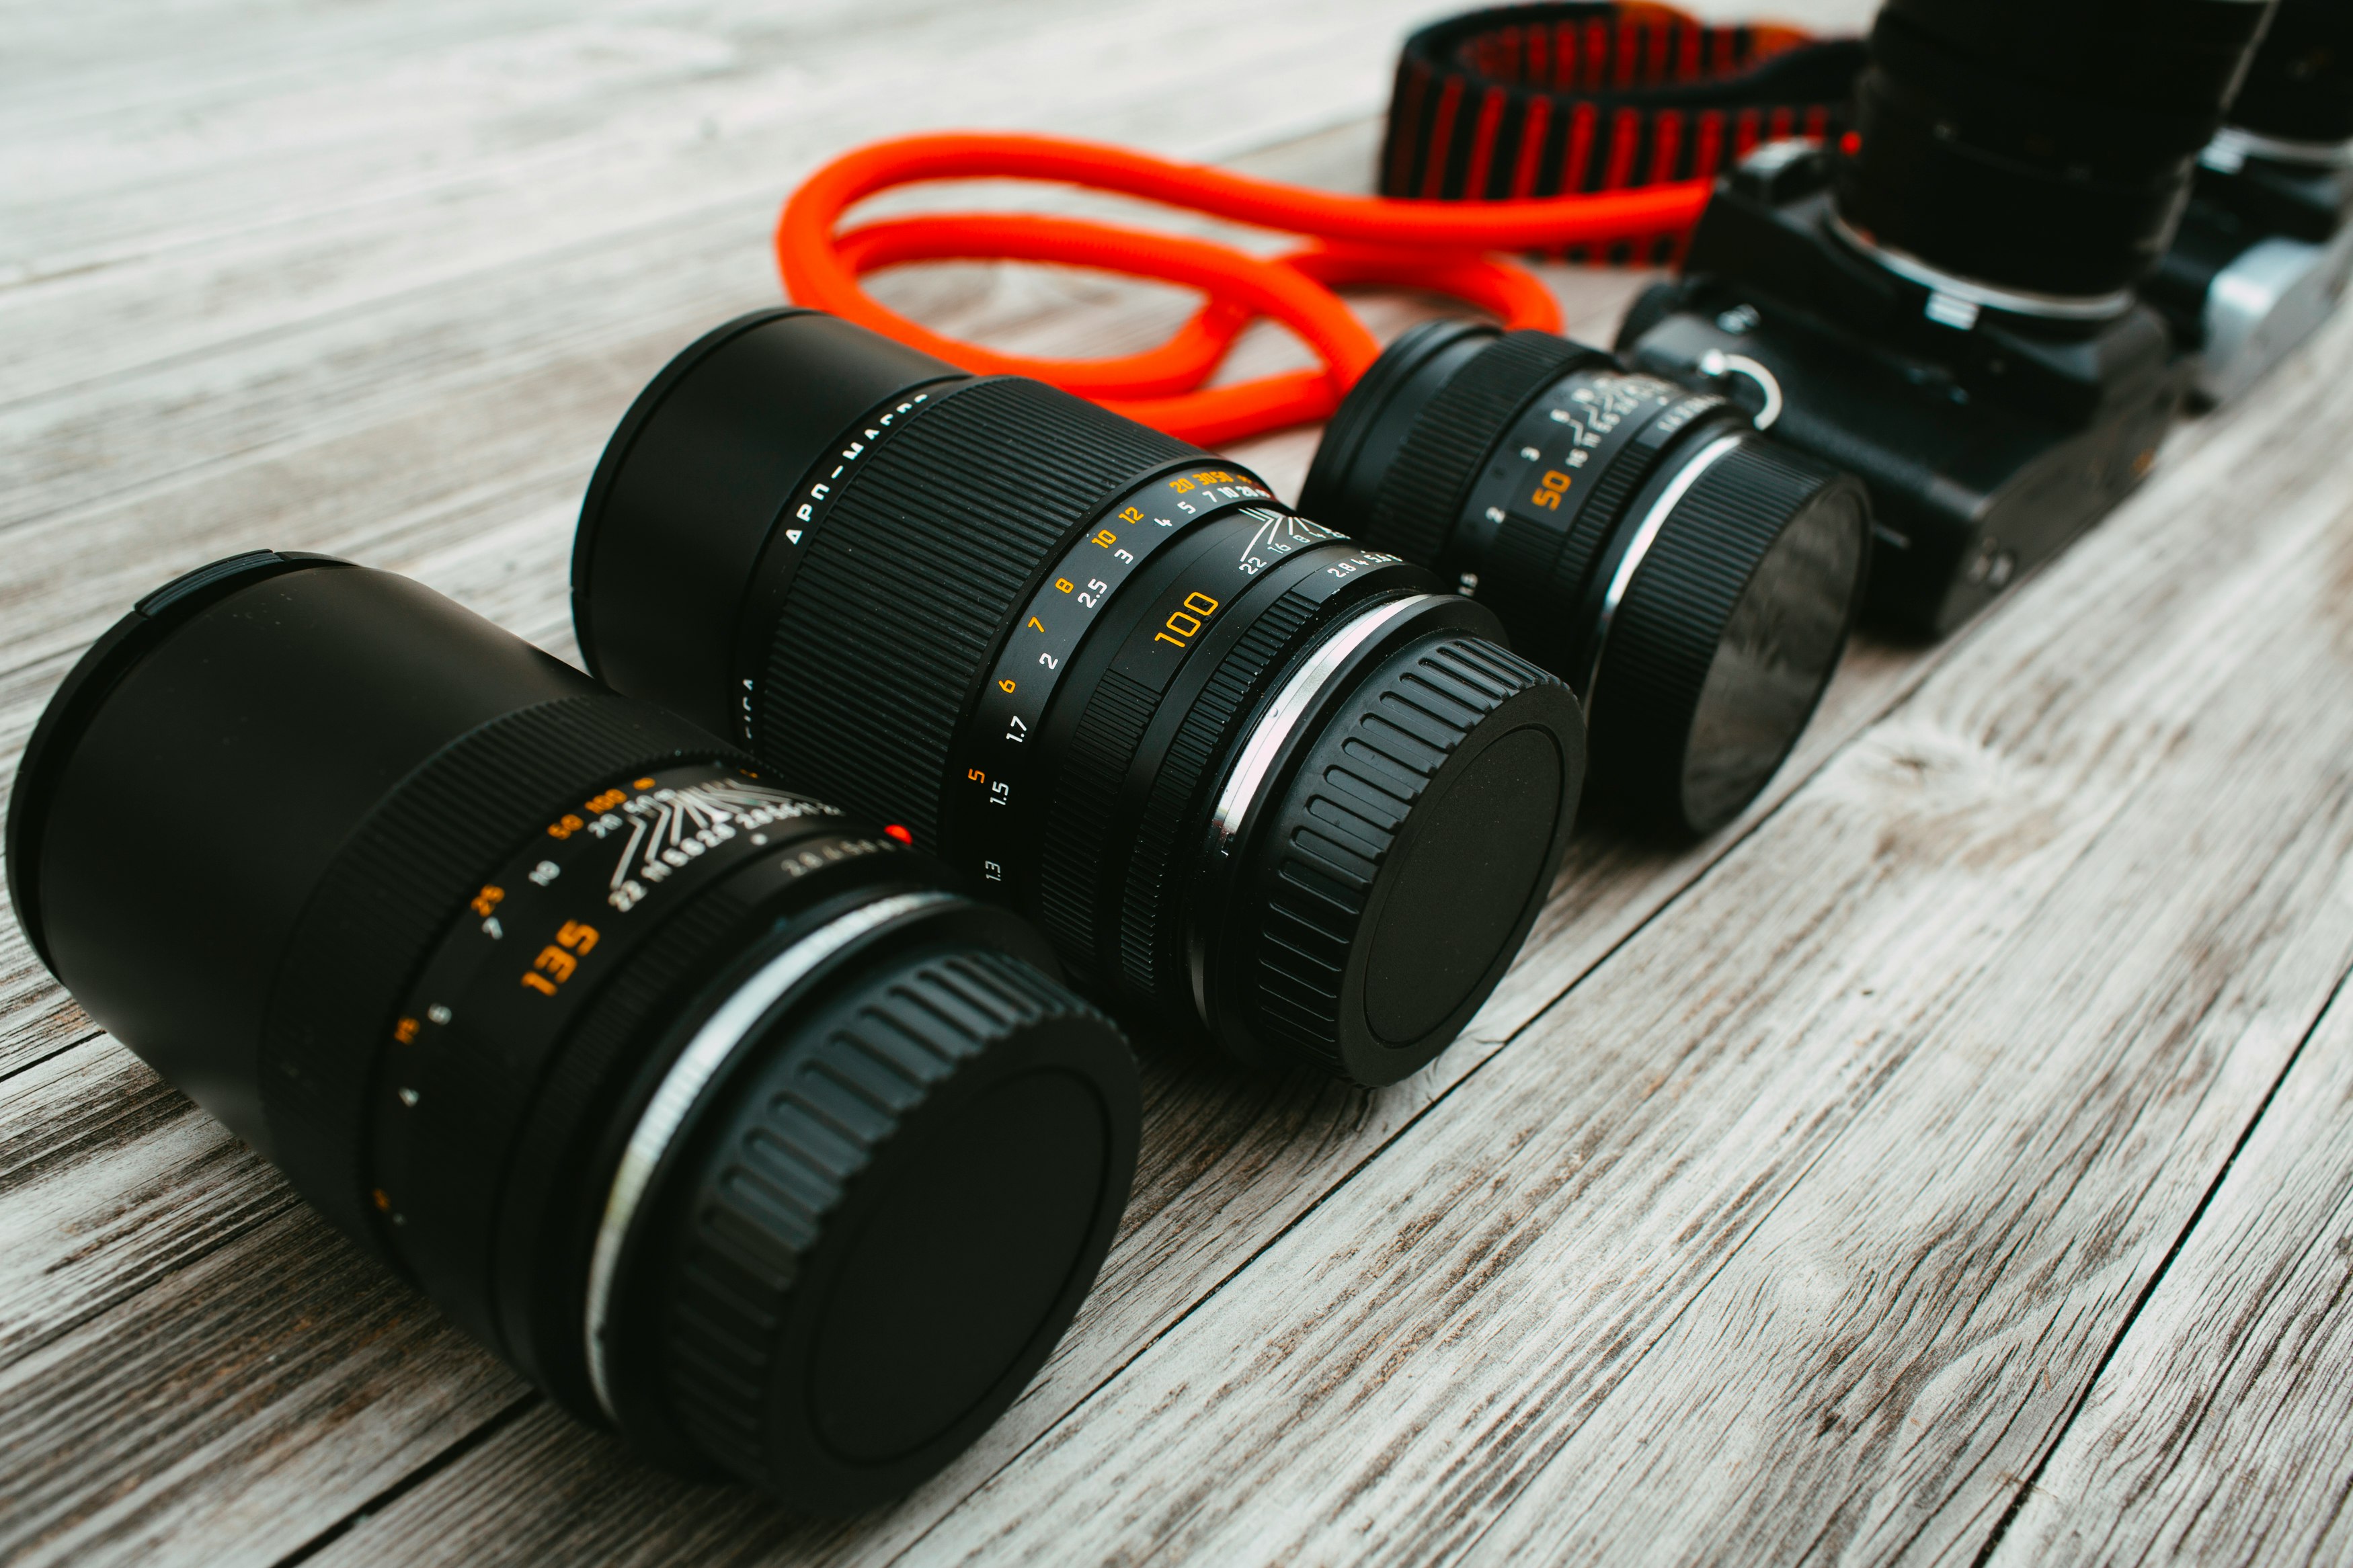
x=1248 y=778
x=1644 y=537
x=1973 y=296
x=705 y=1057
x=2232 y=147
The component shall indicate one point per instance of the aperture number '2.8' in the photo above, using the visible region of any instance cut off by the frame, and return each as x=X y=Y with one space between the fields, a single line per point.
x=1185 y=625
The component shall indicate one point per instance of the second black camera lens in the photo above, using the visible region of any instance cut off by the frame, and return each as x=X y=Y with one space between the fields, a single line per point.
x=1244 y=770
x=1691 y=579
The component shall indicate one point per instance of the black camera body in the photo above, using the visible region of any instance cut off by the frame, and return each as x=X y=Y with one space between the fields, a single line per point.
x=1989 y=437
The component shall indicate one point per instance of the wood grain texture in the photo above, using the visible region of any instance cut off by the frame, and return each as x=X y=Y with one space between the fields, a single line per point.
x=1787 y=1196
x=2220 y=1429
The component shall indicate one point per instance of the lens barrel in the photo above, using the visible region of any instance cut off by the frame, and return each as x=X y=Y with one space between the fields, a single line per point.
x=1693 y=582
x=2043 y=146
x=2299 y=86
x=1243 y=771
x=716 y=1112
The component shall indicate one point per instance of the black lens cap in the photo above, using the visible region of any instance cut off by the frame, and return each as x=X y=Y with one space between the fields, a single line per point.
x=882 y=1225
x=1405 y=863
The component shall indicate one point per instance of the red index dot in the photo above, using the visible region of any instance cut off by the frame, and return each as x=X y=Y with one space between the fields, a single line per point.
x=901 y=834
x=1851 y=144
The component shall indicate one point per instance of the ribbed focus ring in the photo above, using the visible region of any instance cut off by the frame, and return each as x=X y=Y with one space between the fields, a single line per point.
x=1150 y=955
x=1345 y=817
x=912 y=581
x=824 y=1114
x=1424 y=490
x=1070 y=863
x=1664 y=639
x=390 y=893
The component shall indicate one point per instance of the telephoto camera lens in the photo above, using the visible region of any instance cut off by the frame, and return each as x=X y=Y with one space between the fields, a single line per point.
x=1247 y=775
x=2041 y=146
x=716 y=1112
x=1691 y=581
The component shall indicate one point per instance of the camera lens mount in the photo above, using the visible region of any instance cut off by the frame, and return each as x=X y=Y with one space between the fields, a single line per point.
x=2044 y=151
x=1071 y=654
x=1691 y=581
x=720 y=1115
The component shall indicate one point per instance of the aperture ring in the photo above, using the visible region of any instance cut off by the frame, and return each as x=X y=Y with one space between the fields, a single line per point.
x=1545 y=510
x=534 y=951
x=1414 y=512
x=1151 y=932
x=1152 y=667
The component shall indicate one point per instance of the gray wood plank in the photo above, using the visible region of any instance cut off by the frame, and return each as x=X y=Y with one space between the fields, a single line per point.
x=2219 y=1430
x=192 y=1364
x=417 y=228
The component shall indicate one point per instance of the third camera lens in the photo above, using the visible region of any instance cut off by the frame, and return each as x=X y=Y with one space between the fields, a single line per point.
x=1243 y=770
x=1692 y=581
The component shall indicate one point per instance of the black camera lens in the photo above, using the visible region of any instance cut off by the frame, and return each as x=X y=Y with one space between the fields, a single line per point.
x=2043 y=147
x=1243 y=771
x=2299 y=86
x=717 y=1113
x=1691 y=579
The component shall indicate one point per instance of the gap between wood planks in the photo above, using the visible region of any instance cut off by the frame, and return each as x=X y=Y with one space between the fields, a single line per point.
x=2028 y=1487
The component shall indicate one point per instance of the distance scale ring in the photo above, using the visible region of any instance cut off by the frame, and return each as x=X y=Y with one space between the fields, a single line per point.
x=525 y=956
x=995 y=798
x=1559 y=484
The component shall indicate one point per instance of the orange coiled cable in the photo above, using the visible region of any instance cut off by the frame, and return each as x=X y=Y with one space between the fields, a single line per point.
x=1433 y=247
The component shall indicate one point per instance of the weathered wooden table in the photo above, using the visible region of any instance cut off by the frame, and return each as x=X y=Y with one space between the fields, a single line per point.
x=1952 y=1160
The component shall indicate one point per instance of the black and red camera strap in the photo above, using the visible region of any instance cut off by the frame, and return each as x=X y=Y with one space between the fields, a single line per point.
x=1592 y=129
x=1526 y=102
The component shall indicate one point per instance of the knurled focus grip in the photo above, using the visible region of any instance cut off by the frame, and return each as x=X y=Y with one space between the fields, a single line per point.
x=1664 y=637
x=1423 y=492
x=392 y=890
x=912 y=583
x=1441 y=792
